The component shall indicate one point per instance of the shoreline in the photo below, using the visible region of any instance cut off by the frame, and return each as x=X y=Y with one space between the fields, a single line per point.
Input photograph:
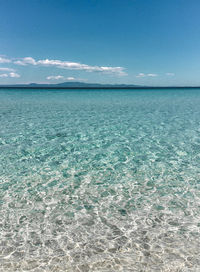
x=94 y=88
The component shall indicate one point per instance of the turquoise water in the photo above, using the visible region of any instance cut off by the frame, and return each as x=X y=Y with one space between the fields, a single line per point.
x=100 y=180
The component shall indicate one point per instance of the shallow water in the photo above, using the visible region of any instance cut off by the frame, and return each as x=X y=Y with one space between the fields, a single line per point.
x=100 y=180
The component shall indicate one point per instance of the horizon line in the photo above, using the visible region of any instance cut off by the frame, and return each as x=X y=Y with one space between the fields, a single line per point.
x=97 y=87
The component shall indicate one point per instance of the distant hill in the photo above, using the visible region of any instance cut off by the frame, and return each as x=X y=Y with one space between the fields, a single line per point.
x=83 y=85
x=69 y=85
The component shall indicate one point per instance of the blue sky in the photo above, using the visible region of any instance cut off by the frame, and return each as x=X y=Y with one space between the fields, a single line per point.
x=147 y=42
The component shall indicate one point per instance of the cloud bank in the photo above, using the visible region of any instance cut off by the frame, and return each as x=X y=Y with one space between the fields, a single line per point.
x=71 y=66
x=4 y=60
x=152 y=75
x=146 y=75
x=12 y=74
x=6 y=69
x=64 y=78
x=55 y=77
x=3 y=75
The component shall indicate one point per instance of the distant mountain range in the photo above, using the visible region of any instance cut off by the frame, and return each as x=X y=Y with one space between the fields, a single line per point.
x=83 y=85
x=70 y=85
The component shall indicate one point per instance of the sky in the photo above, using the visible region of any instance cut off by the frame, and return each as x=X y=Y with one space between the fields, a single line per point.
x=143 y=42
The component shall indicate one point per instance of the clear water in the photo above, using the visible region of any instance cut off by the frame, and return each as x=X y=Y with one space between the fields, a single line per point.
x=100 y=180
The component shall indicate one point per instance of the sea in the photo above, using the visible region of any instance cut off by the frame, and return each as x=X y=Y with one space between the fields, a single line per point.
x=100 y=180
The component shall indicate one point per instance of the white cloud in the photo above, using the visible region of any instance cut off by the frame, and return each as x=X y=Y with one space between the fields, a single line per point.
x=141 y=75
x=4 y=60
x=146 y=75
x=6 y=69
x=14 y=75
x=25 y=61
x=10 y=75
x=71 y=66
x=170 y=74
x=64 y=78
x=3 y=75
x=54 y=77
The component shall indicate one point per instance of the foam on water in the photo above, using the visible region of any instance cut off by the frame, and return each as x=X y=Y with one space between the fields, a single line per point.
x=100 y=180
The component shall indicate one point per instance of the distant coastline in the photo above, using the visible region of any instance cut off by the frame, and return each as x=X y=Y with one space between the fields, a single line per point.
x=98 y=88
x=82 y=85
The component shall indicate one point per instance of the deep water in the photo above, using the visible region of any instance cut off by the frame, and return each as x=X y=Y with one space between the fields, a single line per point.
x=100 y=180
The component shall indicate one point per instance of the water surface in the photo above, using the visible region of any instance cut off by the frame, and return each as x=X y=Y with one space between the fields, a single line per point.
x=100 y=180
